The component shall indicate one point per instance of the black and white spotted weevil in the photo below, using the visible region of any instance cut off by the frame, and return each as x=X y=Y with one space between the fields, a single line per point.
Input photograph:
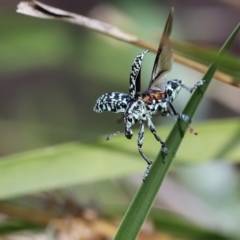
x=157 y=99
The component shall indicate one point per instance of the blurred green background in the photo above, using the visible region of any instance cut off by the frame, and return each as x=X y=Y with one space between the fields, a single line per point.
x=51 y=74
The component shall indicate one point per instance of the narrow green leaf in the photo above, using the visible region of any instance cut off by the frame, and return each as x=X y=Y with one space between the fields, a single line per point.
x=60 y=166
x=142 y=202
x=204 y=54
x=65 y=165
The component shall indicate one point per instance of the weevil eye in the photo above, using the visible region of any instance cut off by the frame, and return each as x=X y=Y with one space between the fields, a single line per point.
x=129 y=119
x=169 y=92
x=175 y=85
x=180 y=82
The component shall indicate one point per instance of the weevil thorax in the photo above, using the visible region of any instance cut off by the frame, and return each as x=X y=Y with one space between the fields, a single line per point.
x=135 y=111
x=157 y=97
x=172 y=89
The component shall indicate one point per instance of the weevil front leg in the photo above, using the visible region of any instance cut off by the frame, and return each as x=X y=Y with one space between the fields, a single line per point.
x=140 y=142
x=196 y=85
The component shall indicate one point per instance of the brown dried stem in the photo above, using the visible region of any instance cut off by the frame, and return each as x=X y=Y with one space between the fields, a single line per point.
x=40 y=10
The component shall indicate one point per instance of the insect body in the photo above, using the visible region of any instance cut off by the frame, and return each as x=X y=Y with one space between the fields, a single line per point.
x=157 y=99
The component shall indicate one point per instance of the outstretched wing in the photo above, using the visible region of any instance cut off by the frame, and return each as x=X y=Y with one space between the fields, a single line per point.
x=135 y=76
x=164 y=57
x=112 y=102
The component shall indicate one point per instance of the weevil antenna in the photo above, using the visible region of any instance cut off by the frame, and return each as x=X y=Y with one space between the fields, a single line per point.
x=113 y=135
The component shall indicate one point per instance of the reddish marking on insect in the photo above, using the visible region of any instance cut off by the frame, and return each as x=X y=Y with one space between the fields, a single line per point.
x=149 y=96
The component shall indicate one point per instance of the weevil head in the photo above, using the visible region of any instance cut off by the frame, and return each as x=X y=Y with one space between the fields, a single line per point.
x=172 y=89
x=129 y=120
x=128 y=133
x=135 y=111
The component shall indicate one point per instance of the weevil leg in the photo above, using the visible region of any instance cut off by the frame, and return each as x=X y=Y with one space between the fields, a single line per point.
x=153 y=130
x=140 y=142
x=182 y=116
x=177 y=115
x=196 y=85
x=146 y=173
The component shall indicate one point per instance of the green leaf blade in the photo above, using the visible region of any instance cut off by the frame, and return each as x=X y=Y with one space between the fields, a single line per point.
x=142 y=202
x=65 y=165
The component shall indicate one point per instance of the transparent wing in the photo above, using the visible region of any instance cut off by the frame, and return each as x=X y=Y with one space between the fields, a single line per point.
x=164 y=57
x=135 y=76
x=112 y=102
